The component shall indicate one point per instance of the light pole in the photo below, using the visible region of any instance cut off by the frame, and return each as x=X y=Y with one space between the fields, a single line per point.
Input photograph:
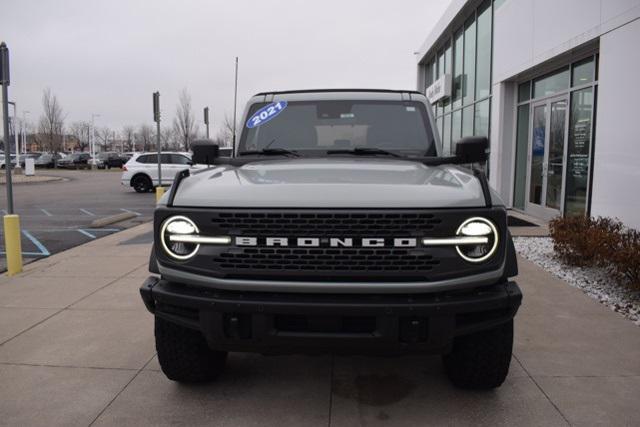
x=24 y=131
x=17 y=170
x=93 y=141
x=11 y=222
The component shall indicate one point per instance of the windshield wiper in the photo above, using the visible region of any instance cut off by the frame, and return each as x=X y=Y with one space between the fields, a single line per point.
x=270 y=152
x=363 y=151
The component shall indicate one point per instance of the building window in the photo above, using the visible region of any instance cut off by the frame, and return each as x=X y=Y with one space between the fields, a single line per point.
x=579 y=150
x=468 y=86
x=583 y=72
x=456 y=128
x=446 y=135
x=481 y=120
x=522 y=140
x=467 y=121
x=483 y=52
x=524 y=92
x=457 y=69
x=551 y=83
x=447 y=69
x=466 y=56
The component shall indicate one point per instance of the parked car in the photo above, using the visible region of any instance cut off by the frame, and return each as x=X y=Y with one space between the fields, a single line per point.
x=48 y=160
x=109 y=159
x=2 y=162
x=141 y=171
x=127 y=156
x=24 y=157
x=75 y=161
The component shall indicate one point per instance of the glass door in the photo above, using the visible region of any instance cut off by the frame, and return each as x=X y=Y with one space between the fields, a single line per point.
x=546 y=158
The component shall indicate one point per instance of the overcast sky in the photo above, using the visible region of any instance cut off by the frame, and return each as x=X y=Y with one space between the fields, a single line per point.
x=107 y=57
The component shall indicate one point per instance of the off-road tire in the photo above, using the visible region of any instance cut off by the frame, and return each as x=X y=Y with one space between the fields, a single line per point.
x=480 y=360
x=142 y=184
x=184 y=355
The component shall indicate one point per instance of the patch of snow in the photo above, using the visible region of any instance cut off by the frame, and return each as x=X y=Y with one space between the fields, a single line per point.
x=596 y=282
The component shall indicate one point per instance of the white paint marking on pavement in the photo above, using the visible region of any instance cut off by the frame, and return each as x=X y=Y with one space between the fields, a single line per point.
x=86 y=233
x=130 y=211
x=43 y=250
x=87 y=212
x=46 y=212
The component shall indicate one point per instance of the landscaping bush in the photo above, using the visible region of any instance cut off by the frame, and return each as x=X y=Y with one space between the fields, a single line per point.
x=601 y=242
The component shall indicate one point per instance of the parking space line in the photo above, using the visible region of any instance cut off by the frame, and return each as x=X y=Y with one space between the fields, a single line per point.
x=43 y=250
x=130 y=211
x=86 y=233
x=46 y=212
x=87 y=212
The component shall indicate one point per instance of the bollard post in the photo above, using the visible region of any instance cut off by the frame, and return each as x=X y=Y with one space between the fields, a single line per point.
x=13 y=245
x=159 y=193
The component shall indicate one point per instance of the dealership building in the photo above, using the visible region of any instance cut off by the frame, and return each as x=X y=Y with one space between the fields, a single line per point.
x=555 y=85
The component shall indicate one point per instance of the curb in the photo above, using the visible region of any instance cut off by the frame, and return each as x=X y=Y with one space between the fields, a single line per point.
x=101 y=222
x=43 y=181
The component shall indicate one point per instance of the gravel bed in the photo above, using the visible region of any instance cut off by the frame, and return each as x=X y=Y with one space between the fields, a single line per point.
x=595 y=282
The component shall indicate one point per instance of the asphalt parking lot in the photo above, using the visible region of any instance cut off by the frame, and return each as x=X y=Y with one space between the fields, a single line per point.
x=57 y=215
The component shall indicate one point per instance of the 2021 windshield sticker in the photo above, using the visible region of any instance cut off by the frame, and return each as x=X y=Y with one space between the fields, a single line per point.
x=266 y=113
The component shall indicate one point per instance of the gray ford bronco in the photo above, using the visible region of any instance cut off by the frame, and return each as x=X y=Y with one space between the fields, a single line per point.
x=337 y=226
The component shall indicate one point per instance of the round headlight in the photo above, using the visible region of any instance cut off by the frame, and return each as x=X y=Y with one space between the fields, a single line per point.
x=178 y=226
x=485 y=231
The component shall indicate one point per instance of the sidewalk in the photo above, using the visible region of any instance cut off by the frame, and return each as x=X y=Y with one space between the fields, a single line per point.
x=77 y=347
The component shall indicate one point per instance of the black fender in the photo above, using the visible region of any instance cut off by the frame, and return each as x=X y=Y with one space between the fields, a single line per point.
x=511 y=261
x=153 y=263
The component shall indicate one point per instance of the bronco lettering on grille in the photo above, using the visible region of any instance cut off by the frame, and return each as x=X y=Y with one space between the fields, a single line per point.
x=333 y=242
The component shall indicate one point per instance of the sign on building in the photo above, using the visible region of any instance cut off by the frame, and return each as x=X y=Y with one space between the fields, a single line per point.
x=441 y=88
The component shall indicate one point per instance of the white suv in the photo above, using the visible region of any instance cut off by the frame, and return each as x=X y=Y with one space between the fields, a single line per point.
x=141 y=171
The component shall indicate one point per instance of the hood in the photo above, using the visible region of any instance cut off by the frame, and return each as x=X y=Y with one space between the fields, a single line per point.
x=331 y=183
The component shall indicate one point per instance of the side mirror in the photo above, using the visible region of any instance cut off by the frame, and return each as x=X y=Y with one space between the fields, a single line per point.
x=472 y=149
x=204 y=151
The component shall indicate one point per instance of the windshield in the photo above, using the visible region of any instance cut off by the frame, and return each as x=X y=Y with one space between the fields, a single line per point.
x=315 y=127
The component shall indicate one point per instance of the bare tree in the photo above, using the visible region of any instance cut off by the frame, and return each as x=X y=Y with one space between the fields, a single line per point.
x=144 y=136
x=184 y=122
x=104 y=135
x=81 y=132
x=225 y=135
x=169 y=139
x=51 y=122
x=127 y=136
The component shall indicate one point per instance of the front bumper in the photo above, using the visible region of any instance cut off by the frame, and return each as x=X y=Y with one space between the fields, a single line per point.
x=341 y=323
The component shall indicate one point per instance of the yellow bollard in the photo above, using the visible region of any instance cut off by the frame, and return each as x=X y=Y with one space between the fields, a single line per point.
x=12 y=244
x=159 y=193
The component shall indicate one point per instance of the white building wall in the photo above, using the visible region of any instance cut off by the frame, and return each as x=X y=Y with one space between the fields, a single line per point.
x=616 y=174
x=529 y=32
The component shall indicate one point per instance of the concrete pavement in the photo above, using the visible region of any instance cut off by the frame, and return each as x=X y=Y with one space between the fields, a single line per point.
x=76 y=348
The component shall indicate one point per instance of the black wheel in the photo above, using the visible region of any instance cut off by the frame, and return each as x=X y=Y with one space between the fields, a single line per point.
x=184 y=355
x=142 y=184
x=480 y=360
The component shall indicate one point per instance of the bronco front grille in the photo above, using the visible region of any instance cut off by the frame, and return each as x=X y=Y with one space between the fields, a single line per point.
x=327 y=260
x=326 y=224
